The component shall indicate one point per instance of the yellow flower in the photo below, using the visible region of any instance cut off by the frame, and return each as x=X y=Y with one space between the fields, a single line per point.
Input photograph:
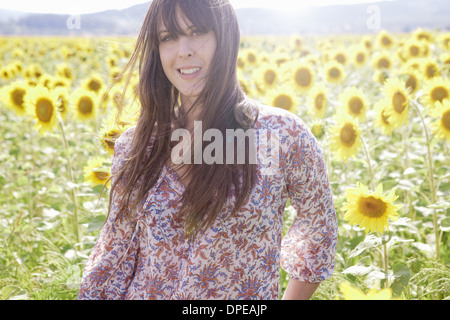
x=396 y=93
x=359 y=56
x=96 y=173
x=296 y=42
x=62 y=94
x=318 y=129
x=94 y=83
x=302 y=76
x=354 y=102
x=382 y=118
x=352 y=293
x=266 y=77
x=334 y=72
x=282 y=99
x=317 y=100
x=63 y=70
x=370 y=210
x=12 y=96
x=430 y=68
x=412 y=78
x=385 y=40
x=442 y=125
x=435 y=90
x=382 y=60
x=413 y=49
x=85 y=104
x=345 y=138
x=41 y=104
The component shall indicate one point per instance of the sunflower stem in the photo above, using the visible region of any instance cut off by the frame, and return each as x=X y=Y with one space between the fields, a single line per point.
x=431 y=177
x=386 y=262
x=366 y=153
x=71 y=179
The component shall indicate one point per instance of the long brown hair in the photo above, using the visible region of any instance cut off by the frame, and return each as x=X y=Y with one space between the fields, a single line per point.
x=225 y=106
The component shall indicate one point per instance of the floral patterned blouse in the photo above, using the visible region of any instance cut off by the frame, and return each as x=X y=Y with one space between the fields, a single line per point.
x=237 y=257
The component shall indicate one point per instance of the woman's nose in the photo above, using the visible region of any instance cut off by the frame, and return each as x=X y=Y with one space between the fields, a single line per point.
x=185 y=48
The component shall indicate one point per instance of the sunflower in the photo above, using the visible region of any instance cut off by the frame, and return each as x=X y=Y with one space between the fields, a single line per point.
x=266 y=77
x=64 y=70
x=318 y=101
x=296 y=42
x=442 y=125
x=413 y=49
x=382 y=117
x=302 y=76
x=94 y=83
x=63 y=96
x=385 y=40
x=430 y=68
x=85 y=104
x=370 y=210
x=397 y=94
x=351 y=293
x=41 y=104
x=382 y=60
x=112 y=127
x=12 y=96
x=354 y=103
x=318 y=129
x=345 y=137
x=283 y=99
x=412 y=78
x=435 y=90
x=334 y=72
x=96 y=173
x=359 y=56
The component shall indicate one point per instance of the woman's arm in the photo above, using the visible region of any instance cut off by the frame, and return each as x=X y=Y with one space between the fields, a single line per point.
x=298 y=290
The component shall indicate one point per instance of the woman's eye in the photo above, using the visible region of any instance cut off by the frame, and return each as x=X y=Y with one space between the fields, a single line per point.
x=166 y=38
x=197 y=33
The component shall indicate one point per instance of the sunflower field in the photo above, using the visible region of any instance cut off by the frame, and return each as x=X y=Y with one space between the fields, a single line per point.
x=378 y=104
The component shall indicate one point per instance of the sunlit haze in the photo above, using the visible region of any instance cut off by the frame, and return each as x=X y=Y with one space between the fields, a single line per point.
x=89 y=6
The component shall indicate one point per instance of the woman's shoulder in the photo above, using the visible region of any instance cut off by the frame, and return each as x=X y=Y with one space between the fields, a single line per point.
x=125 y=140
x=279 y=119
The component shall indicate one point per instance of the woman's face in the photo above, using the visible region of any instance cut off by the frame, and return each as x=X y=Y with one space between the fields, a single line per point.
x=186 y=60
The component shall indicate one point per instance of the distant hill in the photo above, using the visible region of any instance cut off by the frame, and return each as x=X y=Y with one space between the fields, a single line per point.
x=396 y=16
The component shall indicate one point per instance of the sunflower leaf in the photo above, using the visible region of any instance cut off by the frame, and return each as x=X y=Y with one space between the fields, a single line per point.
x=369 y=242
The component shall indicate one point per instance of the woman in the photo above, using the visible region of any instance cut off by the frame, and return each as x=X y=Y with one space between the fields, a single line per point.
x=198 y=230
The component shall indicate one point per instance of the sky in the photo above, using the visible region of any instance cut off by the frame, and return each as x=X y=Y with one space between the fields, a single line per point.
x=87 y=6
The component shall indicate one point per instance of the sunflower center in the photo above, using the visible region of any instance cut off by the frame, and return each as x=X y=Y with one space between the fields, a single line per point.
x=399 y=102
x=445 y=120
x=44 y=110
x=94 y=85
x=283 y=101
x=414 y=51
x=360 y=57
x=17 y=97
x=340 y=58
x=439 y=94
x=319 y=101
x=251 y=58
x=85 y=105
x=431 y=71
x=411 y=83
x=383 y=63
x=355 y=105
x=334 y=73
x=348 y=135
x=101 y=175
x=386 y=41
x=372 y=207
x=269 y=76
x=385 y=117
x=303 y=77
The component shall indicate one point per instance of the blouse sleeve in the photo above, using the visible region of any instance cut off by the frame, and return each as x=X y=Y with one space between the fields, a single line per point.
x=308 y=249
x=111 y=264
